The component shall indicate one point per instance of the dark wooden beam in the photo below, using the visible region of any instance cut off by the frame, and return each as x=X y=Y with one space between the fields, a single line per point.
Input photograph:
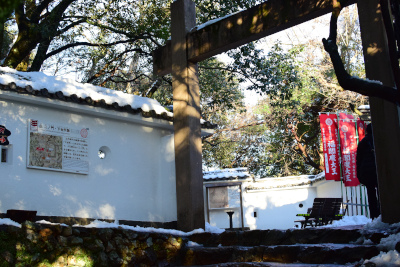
x=259 y=21
x=187 y=128
x=384 y=114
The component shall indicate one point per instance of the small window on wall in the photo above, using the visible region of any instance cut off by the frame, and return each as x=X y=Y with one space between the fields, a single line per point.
x=4 y=154
x=104 y=152
x=101 y=154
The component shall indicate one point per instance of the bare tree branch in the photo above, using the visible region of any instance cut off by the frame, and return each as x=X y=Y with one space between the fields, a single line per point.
x=103 y=70
x=303 y=150
x=54 y=52
x=352 y=83
x=71 y=25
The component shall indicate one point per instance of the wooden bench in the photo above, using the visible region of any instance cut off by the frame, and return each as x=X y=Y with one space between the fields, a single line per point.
x=342 y=212
x=307 y=221
x=323 y=211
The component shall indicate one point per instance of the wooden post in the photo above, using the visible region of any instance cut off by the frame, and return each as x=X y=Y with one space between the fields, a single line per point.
x=186 y=101
x=384 y=115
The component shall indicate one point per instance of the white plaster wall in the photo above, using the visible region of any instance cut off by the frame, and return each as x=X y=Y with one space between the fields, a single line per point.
x=276 y=208
x=166 y=187
x=329 y=189
x=136 y=180
x=220 y=218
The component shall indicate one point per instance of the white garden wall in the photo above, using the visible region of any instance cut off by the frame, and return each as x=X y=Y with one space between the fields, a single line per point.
x=270 y=203
x=329 y=189
x=135 y=181
x=276 y=208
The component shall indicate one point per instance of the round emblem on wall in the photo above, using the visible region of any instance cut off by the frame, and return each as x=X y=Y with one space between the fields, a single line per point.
x=328 y=122
x=84 y=133
x=345 y=128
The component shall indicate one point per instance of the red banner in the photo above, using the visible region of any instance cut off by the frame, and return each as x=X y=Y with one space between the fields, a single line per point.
x=329 y=135
x=361 y=127
x=348 y=143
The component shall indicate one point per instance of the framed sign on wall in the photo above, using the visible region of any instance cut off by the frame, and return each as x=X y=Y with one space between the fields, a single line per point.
x=222 y=198
x=57 y=148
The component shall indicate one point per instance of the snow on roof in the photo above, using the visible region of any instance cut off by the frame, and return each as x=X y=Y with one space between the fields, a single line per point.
x=68 y=87
x=201 y=26
x=226 y=174
x=35 y=82
x=285 y=182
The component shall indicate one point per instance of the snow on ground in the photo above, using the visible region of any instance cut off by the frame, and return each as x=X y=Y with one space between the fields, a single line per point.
x=377 y=224
x=359 y=220
x=349 y=221
x=389 y=243
x=7 y=221
x=385 y=259
x=46 y=222
x=101 y=224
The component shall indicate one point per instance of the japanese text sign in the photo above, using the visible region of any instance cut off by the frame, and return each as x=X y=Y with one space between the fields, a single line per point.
x=348 y=145
x=329 y=134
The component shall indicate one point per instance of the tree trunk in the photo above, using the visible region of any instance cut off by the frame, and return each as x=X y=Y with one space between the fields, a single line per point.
x=40 y=56
x=26 y=42
x=1 y=37
x=23 y=66
x=31 y=33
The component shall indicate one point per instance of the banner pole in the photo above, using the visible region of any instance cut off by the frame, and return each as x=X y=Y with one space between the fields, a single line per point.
x=366 y=206
x=358 y=141
x=340 y=157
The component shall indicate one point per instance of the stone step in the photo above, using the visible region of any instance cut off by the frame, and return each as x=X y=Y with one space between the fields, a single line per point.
x=299 y=254
x=272 y=264
x=285 y=237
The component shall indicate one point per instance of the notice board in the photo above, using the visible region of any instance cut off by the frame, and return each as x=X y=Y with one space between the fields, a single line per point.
x=224 y=197
x=58 y=147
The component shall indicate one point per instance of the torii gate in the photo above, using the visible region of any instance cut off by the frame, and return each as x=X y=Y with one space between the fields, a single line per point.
x=189 y=46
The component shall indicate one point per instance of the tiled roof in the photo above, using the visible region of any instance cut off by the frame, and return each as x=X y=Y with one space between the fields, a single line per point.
x=32 y=83
x=227 y=175
x=285 y=182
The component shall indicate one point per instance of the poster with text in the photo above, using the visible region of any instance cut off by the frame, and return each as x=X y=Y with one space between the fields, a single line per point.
x=329 y=133
x=222 y=197
x=57 y=148
x=348 y=143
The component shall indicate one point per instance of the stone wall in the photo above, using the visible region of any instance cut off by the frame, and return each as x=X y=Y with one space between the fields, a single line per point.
x=35 y=244
x=56 y=245
x=26 y=215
